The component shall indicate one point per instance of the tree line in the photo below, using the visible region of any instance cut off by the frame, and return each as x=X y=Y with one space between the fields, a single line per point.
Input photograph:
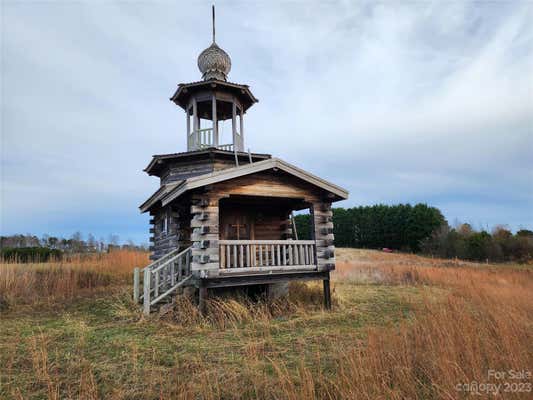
x=31 y=248
x=467 y=243
x=420 y=229
x=399 y=227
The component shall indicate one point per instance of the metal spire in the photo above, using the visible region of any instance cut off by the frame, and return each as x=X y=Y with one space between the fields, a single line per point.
x=213 y=23
x=213 y=62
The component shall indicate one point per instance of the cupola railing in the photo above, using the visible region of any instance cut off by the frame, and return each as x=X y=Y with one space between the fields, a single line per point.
x=205 y=138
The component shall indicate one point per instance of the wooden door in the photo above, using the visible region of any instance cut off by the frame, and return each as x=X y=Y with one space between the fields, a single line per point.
x=236 y=225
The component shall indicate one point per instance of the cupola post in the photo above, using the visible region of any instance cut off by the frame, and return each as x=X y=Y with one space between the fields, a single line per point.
x=215 y=120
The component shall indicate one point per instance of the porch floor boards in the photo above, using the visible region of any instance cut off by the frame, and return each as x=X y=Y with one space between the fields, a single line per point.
x=261 y=278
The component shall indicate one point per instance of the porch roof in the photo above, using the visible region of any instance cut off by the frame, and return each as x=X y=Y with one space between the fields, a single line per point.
x=168 y=193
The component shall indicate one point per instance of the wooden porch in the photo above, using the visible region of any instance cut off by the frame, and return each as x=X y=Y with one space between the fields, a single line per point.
x=237 y=227
x=242 y=262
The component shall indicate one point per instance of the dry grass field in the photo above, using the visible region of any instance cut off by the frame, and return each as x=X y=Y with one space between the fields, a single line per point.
x=402 y=327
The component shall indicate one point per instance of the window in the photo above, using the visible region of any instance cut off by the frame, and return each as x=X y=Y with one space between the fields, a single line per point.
x=164 y=224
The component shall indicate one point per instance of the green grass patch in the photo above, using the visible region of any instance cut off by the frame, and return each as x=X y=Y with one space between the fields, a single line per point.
x=106 y=340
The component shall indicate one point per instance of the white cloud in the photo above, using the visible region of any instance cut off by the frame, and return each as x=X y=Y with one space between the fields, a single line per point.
x=415 y=102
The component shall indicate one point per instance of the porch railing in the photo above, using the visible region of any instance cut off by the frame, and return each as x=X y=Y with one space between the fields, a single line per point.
x=267 y=254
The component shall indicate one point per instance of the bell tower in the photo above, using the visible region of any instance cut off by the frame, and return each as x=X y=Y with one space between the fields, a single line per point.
x=221 y=217
x=214 y=108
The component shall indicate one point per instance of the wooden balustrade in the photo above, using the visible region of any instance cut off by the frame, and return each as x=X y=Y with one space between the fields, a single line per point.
x=162 y=278
x=205 y=138
x=227 y=147
x=267 y=253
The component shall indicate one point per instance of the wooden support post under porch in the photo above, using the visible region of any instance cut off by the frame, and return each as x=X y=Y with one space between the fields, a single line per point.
x=202 y=298
x=327 y=293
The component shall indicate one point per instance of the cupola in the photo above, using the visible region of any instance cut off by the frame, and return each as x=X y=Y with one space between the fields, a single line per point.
x=209 y=103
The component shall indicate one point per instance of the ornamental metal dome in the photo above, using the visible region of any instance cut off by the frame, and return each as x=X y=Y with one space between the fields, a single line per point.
x=214 y=63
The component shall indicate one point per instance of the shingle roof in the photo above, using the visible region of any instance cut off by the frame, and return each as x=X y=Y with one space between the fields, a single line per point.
x=183 y=90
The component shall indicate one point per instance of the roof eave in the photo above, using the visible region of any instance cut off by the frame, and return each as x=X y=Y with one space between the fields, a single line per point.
x=159 y=158
x=158 y=195
x=185 y=86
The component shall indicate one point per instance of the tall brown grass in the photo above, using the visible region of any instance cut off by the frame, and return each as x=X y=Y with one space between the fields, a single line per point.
x=468 y=321
x=482 y=322
x=236 y=311
x=465 y=320
x=67 y=278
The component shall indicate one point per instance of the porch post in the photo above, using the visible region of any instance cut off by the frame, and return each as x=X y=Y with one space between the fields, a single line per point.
x=147 y=290
x=136 y=282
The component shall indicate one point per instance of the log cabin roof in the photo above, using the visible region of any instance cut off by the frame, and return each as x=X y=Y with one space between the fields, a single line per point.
x=159 y=160
x=184 y=91
x=170 y=192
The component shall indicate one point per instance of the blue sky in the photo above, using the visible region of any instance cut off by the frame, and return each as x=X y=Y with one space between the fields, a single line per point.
x=416 y=102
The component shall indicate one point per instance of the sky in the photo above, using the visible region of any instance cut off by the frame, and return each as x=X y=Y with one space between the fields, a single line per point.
x=398 y=102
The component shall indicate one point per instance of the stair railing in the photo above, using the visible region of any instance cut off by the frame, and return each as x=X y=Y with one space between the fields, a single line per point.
x=162 y=278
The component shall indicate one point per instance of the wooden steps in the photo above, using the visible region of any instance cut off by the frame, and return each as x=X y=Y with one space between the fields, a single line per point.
x=162 y=278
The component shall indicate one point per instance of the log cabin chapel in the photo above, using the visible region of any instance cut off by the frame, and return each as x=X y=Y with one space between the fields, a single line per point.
x=222 y=216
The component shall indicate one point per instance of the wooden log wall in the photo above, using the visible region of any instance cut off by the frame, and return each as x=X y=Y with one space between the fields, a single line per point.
x=179 y=171
x=182 y=171
x=205 y=229
x=224 y=164
x=178 y=230
x=322 y=219
x=270 y=223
